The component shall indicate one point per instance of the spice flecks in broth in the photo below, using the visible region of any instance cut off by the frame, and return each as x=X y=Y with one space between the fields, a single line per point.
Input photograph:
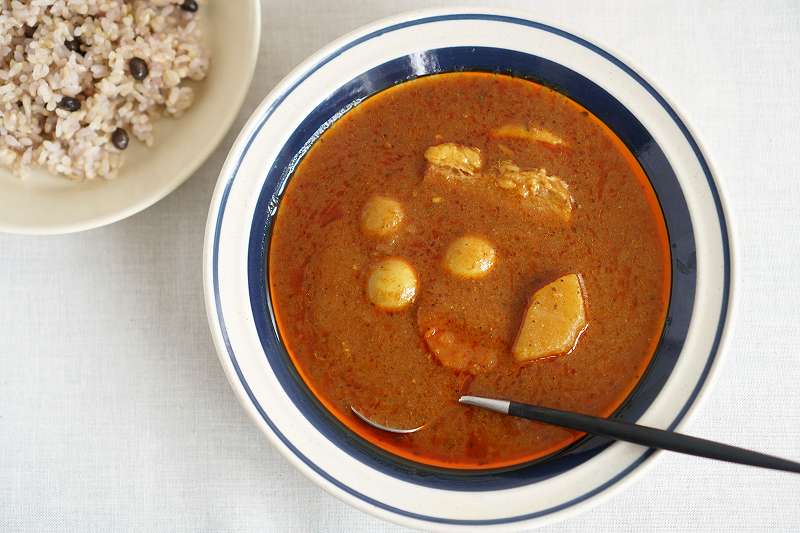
x=456 y=335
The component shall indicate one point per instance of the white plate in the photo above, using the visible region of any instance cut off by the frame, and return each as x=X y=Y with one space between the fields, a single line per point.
x=248 y=193
x=47 y=204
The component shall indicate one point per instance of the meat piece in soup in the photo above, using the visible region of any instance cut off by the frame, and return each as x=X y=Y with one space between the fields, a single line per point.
x=549 y=193
x=469 y=233
x=453 y=161
x=538 y=190
x=460 y=350
x=531 y=133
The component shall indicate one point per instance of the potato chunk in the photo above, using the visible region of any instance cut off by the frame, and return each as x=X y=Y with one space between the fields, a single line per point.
x=531 y=133
x=453 y=160
x=553 y=322
x=469 y=257
x=392 y=284
x=381 y=216
x=541 y=190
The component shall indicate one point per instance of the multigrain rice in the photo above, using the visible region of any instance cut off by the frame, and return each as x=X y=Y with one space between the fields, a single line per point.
x=52 y=49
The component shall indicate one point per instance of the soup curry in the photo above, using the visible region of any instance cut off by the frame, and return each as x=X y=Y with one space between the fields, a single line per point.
x=469 y=233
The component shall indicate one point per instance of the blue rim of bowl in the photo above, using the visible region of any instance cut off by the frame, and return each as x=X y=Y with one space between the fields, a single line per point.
x=511 y=20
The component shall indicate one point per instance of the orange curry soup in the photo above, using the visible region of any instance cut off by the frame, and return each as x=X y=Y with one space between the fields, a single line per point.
x=469 y=233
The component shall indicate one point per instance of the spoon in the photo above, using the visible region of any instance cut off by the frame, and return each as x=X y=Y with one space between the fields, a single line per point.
x=615 y=429
x=388 y=429
x=643 y=435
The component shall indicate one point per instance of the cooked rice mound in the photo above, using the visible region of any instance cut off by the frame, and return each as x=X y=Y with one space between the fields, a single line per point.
x=38 y=69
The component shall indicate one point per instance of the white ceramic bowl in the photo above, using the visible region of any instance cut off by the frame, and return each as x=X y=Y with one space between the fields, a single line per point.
x=47 y=204
x=249 y=191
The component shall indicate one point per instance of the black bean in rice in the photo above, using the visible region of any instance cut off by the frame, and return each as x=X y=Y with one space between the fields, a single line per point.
x=120 y=138
x=138 y=68
x=70 y=104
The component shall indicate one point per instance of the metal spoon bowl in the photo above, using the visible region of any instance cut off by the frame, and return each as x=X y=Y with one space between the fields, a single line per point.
x=381 y=426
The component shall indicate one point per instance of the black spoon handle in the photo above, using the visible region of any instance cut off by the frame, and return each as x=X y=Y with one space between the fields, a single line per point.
x=646 y=436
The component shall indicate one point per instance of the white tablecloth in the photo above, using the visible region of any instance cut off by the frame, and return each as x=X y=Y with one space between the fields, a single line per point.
x=115 y=414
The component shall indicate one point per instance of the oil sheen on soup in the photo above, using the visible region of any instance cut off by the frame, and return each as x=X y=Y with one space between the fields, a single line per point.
x=469 y=233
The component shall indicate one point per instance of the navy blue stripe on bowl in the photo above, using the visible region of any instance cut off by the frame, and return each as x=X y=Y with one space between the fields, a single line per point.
x=591 y=96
